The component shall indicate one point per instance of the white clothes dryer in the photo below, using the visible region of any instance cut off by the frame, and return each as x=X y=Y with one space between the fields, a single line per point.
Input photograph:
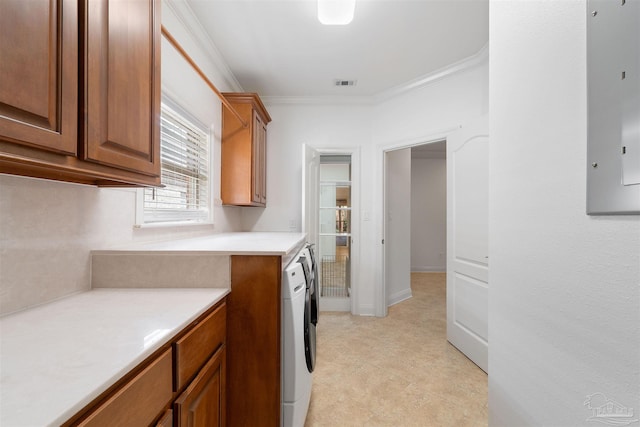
x=298 y=342
x=312 y=281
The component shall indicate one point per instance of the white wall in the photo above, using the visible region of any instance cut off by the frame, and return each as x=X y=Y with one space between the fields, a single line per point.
x=320 y=126
x=397 y=236
x=413 y=116
x=564 y=294
x=47 y=228
x=339 y=127
x=441 y=105
x=428 y=214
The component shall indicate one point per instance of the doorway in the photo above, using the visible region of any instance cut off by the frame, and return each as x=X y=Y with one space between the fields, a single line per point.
x=429 y=208
x=414 y=215
x=467 y=257
x=336 y=233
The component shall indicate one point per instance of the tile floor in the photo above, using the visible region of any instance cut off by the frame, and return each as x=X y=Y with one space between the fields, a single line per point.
x=396 y=371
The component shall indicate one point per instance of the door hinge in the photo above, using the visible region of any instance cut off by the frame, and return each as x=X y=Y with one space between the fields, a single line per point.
x=383 y=241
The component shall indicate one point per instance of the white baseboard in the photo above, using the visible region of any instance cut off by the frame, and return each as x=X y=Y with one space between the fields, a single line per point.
x=399 y=297
x=344 y=305
x=335 y=304
x=366 y=310
x=429 y=269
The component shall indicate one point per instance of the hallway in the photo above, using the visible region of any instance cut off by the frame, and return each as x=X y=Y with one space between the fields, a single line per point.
x=398 y=370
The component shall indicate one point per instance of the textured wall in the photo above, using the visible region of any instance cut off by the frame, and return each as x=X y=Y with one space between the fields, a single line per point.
x=564 y=294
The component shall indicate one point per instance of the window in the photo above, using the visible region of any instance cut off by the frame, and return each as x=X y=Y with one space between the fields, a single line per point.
x=184 y=153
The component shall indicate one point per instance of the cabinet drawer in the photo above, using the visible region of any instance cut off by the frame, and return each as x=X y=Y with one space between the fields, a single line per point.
x=139 y=401
x=197 y=346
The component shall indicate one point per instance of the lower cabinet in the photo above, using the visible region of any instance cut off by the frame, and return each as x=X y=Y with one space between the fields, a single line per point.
x=254 y=342
x=203 y=402
x=181 y=384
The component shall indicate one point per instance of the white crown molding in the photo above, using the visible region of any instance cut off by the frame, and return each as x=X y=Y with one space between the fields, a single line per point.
x=317 y=100
x=192 y=25
x=479 y=58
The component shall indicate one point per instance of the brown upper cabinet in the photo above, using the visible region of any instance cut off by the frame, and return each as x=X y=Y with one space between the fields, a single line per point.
x=80 y=90
x=244 y=155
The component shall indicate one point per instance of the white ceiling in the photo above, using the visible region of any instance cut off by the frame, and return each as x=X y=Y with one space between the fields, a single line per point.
x=278 y=48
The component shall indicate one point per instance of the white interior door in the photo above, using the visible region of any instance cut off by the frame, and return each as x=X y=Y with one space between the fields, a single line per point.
x=310 y=185
x=327 y=221
x=467 y=240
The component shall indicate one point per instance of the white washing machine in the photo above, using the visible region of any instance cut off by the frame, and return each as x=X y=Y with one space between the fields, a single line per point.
x=309 y=254
x=298 y=341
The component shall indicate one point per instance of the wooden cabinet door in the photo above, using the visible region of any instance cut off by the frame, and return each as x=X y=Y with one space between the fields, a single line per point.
x=243 y=171
x=254 y=314
x=166 y=420
x=258 y=160
x=39 y=73
x=203 y=403
x=122 y=89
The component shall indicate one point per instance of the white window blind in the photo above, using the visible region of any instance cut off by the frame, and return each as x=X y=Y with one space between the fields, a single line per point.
x=184 y=153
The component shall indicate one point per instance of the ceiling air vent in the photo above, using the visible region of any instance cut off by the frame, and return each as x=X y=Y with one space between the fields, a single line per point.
x=340 y=82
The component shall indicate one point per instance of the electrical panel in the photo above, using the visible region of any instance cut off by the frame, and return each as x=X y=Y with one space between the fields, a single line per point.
x=613 y=99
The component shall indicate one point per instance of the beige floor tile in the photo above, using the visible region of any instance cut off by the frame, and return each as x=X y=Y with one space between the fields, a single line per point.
x=396 y=371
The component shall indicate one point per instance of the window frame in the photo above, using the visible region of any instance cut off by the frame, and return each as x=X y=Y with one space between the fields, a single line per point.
x=141 y=220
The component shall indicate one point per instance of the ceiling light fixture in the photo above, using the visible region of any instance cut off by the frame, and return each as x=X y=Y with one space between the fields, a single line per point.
x=336 y=12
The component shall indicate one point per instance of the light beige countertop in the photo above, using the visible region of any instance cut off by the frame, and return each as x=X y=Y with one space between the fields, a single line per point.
x=56 y=358
x=241 y=243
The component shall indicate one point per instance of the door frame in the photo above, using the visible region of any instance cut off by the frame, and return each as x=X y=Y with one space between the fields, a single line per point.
x=380 y=297
x=354 y=152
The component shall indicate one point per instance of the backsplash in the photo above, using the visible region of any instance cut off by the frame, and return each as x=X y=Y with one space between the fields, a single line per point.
x=150 y=270
x=47 y=229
